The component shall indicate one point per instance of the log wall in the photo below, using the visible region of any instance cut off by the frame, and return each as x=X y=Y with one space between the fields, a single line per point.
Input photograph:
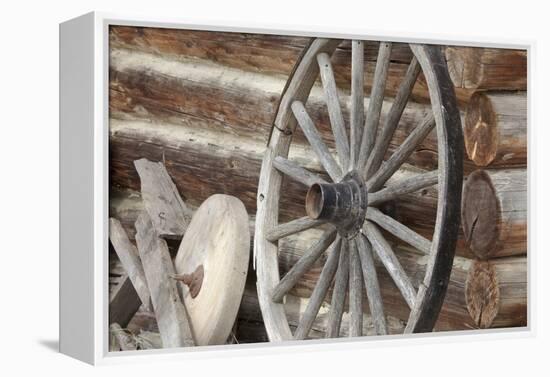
x=203 y=103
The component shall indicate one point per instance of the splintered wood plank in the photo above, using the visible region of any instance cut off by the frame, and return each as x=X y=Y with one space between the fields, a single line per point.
x=129 y=257
x=169 y=310
x=167 y=211
x=124 y=302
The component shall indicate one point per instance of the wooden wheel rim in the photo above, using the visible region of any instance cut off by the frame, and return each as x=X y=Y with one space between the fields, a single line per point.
x=431 y=292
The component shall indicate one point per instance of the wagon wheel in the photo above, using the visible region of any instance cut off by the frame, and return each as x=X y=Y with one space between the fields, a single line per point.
x=346 y=204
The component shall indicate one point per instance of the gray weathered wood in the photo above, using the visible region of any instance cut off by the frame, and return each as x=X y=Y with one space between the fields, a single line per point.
x=314 y=139
x=375 y=104
x=303 y=264
x=320 y=291
x=403 y=187
x=339 y=292
x=292 y=227
x=296 y=172
x=129 y=257
x=355 y=292
x=124 y=341
x=390 y=261
x=399 y=230
x=169 y=310
x=357 y=115
x=372 y=286
x=397 y=159
x=392 y=119
x=334 y=109
x=169 y=214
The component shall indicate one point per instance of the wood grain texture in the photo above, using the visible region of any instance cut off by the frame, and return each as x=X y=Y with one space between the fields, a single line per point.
x=170 y=312
x=266 y=54
x=496 y=292
x=167 y=211
x=129 y=256
x=495 y=129
x=339 y=293
x=216 y=243
x=487 y=68
x=494 y=212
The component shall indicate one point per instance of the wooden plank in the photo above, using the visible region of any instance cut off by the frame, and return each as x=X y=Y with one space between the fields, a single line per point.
x=167 y=211
x=129 y=257
x=169 y=310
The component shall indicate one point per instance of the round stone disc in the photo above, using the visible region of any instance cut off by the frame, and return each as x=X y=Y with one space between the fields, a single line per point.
x=213 y=260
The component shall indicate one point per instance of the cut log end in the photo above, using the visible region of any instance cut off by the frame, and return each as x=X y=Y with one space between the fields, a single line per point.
x=480 y=130
x=482 y=293
x=480 y=214
x=464 y=66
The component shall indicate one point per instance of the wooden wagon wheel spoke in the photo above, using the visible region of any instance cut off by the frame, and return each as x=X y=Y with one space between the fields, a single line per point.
x=339 y=293
x=372 y=286
x=314 y=139
x=303 y=265
x=403 y=187
x=392 y=120
x=357 y=116
x=320 y=291
x=401 y=154
x=399 y=230
x=355 y=292
x=292 y=227
x=334 y=110
x=296 y=172
x=388 y=258
x=375 y=104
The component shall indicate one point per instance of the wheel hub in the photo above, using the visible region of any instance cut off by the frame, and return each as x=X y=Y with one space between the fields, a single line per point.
x=343 y=204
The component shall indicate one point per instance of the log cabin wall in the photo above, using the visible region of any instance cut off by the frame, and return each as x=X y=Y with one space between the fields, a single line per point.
x=203 y=103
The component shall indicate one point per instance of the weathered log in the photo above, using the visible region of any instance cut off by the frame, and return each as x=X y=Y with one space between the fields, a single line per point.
x=495 y=129
x=213 y=163
x=453 y=316
x=194 y=94
x=494 y=212
x=266 y=54
x=487 y=68
x=496 y=292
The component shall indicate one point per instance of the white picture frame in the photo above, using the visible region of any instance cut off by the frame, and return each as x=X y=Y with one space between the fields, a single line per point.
x=84 y=59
